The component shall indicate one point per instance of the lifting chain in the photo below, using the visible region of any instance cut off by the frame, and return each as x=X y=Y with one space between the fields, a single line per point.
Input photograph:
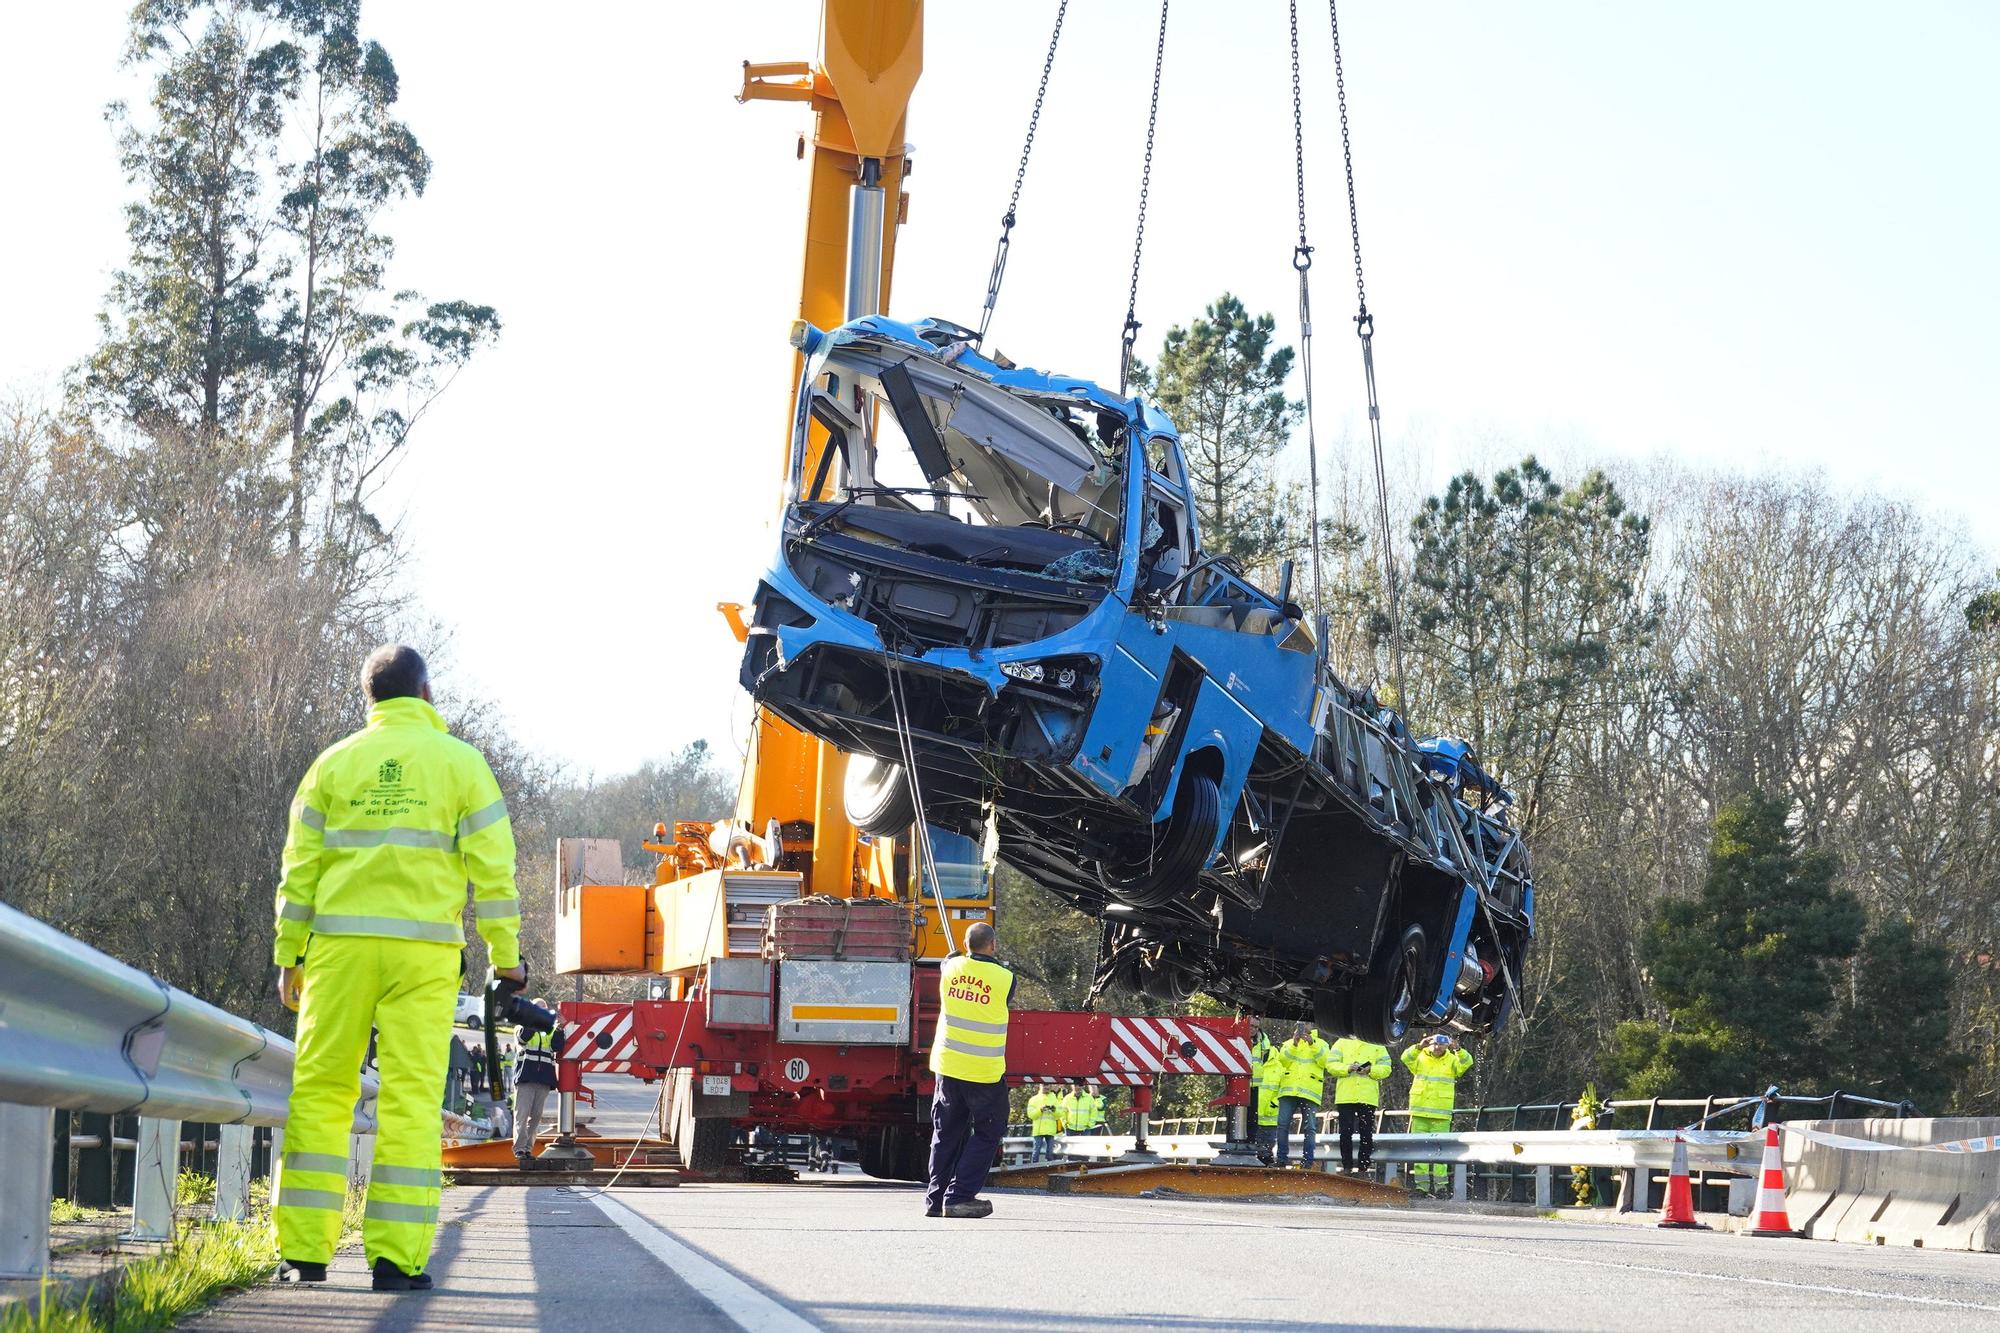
x=1364 y=326
x=1020 y=176
x=1302 y=262
x=1131 y=334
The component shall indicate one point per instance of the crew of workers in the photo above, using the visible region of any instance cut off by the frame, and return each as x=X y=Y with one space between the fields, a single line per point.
x=1075 y=1110
x=388 y=828
x=1288 y=1085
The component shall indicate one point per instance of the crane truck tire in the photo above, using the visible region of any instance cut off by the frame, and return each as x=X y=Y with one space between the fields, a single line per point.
x=703 y=1142
x=1172 y=860
x=877 y=796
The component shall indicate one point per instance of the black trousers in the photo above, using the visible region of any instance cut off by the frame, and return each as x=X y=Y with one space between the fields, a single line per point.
x=967 y=1123
x=1356 y=1118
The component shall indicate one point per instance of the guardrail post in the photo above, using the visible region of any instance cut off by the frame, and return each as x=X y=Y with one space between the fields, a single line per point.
x=232 y=1173
x=153 y=1180
x=1459 y=1172
x=1545 y=1187
x=1638 y=1193
x=27 y=1147
x=360 y=1161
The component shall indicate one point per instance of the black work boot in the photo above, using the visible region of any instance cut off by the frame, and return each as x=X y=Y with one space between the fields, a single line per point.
x=300 y=1270
x=970 y=1208
x=388 y=1277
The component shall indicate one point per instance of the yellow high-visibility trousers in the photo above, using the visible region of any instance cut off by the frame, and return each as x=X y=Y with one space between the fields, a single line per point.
x=405 y=990
x=1434 y=1175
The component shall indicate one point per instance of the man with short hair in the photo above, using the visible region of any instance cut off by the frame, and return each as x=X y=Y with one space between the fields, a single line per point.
x=534 y=1080
x=1359 y=1068
x=1301 y=1084
x=1270 y=1075
x=1435 y=1064
x=969 y=1060
x=388 y=827
x=1043 y=1124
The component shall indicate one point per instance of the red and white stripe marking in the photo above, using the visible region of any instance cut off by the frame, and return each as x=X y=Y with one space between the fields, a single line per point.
x=1771 y=1217
x=612 y=1056
x=1140 y=1048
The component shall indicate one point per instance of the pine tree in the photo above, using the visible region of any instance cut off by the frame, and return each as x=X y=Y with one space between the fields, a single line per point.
x=1746 y=970
x=1223 y=383
x=1895 y=1034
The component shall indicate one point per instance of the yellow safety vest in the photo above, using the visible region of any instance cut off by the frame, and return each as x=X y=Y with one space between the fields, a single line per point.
x=1066 y=1108
x=971 y=1041
x=1434 y=1078
x=1042 y=1114
x=1270 y=1074
x=388 y=826
x=1304 y=1073
x=1363 y=1088
x=1092 y=1106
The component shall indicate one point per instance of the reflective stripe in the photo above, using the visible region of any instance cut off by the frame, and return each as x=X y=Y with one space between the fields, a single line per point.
x=965 y=1048
x=977 y=1043
x=439 y=931
x=311 y=818
x=331 y=1201
x=1435 y=1078
x=381 y=1210
x=428 y=839
x=419 y=1176
x=480 y=819
x=315 y=1161
x=292 y=911
x=488 y=909
x=975 y=1025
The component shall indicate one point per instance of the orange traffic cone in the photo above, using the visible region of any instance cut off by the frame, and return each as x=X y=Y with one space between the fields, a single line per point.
x=1679 y=1209
x=1771 y=1219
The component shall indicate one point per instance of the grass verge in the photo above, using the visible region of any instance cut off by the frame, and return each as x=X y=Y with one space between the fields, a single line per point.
x=207 y=1261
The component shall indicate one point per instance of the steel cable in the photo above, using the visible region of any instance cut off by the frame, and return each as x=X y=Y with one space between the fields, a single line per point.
x=1131 y=334
x=1005 y=245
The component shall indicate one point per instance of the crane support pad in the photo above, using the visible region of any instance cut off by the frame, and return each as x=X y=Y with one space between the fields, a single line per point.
x=1219 y=1182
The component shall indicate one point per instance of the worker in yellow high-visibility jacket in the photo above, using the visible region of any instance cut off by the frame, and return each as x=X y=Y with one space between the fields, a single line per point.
x=1270 y=1075
x=1090 y=1105
x=1301 y=1084
x=1359 y=1068
x=969 y=1060
x=388 y=827
x=1435 y=1064
x=1044 y=1123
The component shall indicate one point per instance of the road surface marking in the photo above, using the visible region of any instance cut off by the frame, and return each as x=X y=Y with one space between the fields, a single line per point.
x=1413 y=1237
x=748 y=1307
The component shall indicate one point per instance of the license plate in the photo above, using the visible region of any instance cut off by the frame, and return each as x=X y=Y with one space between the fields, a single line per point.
x=715 y=1085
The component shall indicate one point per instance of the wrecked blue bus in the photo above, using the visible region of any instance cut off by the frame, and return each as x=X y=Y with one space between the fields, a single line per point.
x=992 y=593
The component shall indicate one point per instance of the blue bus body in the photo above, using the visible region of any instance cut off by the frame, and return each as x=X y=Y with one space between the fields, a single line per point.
x=996 y=575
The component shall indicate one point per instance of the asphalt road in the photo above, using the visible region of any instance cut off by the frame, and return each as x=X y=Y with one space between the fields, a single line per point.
x=849 y=1253
x=625 y=1106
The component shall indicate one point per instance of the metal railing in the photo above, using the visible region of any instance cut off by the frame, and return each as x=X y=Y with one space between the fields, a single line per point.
x=1514 y=1153
x=81 y=1031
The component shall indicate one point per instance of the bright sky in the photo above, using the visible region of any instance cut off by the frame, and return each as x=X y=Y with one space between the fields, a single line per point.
x=1740 y=235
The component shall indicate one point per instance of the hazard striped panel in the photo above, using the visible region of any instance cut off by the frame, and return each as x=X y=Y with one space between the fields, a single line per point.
x=1140 y=1048
x=604 y=1043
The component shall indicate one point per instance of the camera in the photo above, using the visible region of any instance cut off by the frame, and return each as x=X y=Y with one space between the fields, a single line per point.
x=505 y=1005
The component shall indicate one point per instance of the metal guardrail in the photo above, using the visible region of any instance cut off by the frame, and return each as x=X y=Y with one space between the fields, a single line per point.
x=1728 y=1152
x=1659 y=1113
x=81 y=1031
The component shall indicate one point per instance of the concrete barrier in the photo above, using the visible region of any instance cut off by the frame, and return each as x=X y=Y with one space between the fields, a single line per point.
x=1936 y=1200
